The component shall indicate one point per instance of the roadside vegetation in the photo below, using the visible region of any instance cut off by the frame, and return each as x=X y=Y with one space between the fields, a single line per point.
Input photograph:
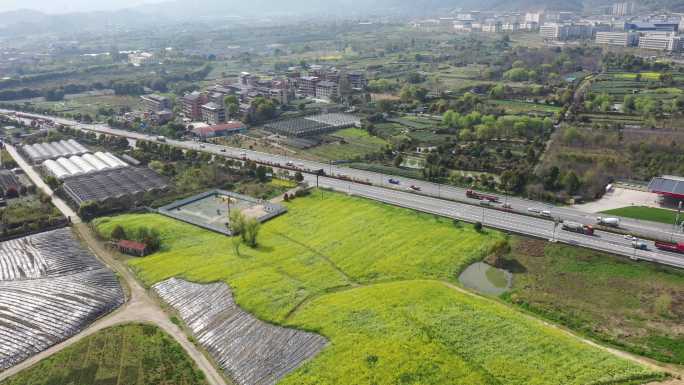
x=647 y=214
x=634 y=306
x=375 y=280
x=132 y=354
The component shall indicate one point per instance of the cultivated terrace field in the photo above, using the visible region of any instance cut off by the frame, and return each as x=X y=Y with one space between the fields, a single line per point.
x=637 y=307
x=123 y=355
x=379 y=283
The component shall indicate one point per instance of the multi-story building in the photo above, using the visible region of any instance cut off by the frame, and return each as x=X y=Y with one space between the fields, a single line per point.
x=492 y=27
x=570 y=31
x=306 y=86
x=213 y=113
x=192 y=105
x=534 y=17
x=655 y=26
x=138 y=59
x=326 y=90
x=510 y=26
x=623 y=9
x=621 y=39
x=661 y=42
x=155 y=103
x=357 y=80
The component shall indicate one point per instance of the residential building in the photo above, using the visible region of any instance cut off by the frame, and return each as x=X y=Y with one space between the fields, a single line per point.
x=623 y=9
x=492 y=27
x=357 y=80
x=306 y=86
x=534 y=17
x=621 y=39
x=138 y=59
x=326 y=90
x=192 y=105
x=661 y=42
x=225 y=129
x=213 y=113
x=510 y=27
x=155 y=103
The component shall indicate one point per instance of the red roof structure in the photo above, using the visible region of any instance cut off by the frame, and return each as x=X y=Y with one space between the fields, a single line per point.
x=669 y=186
x=132 y=247
x=219 y=129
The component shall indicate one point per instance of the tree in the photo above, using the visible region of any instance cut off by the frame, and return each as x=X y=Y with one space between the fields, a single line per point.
x=236 y=222
x=251 y=232
x=571 y=182
x=398 y=160
x=232 y=105
x=299 y=177
x=118 y=233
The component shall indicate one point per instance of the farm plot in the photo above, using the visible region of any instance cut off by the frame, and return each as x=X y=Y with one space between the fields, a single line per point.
x=131 y=354
x=50 y=289
x=378 y=282
x=251 y=351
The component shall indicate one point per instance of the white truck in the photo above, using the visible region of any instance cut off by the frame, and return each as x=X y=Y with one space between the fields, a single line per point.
x=612 y=222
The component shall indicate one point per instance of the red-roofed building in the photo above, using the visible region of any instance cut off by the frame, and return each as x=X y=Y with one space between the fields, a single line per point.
x=225 y=129
x=132 y=248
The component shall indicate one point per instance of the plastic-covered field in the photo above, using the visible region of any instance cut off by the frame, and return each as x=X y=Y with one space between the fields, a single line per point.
x=50 y=289
x=252 y=352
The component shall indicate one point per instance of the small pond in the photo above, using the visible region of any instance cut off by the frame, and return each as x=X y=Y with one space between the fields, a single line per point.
x=486 y=279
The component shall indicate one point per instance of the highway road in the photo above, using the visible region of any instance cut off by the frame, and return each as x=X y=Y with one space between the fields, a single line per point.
x=445 y=200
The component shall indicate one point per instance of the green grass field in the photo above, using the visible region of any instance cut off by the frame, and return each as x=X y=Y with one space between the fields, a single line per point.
x=373 y=279
x=585 y=291
x=646 y=214
x=131 y=354
x=358 y=143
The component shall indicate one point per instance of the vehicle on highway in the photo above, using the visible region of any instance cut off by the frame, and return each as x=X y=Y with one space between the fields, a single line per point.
x=672 y=247
x=476 y=195
x=486 y=203
x=507 y=206
x=161 y=139
x=223 y=150
x=612 y=222
x=290 y=164
x=393 y=181
x=630 y=237
x=414 y=188
x=202 y=146
x=534 y=210
x=545 y=213
x=243 y=155
x=578 y=228
x=640 y=245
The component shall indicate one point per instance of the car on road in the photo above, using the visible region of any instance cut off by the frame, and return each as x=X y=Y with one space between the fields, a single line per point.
x=507 y=206
x=223 y=150
x=534 y=210
x=485 y=203
x=202 y=146
x=394 y=181
x=545 y=213
x=243 y=155
x=414 y=188
x=639 y=244
x=630 y=237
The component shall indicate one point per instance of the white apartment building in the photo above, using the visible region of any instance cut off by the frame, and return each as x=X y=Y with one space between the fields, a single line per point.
x=661 y=42
x=620 y=39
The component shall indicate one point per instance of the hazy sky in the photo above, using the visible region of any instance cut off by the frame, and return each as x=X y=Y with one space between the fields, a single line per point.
x=66 y=6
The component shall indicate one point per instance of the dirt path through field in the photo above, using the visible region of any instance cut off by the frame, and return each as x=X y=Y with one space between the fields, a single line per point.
x=140 y=308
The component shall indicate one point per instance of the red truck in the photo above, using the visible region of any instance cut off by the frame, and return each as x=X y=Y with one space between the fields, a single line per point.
x=672 y=247
x=476 y=195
